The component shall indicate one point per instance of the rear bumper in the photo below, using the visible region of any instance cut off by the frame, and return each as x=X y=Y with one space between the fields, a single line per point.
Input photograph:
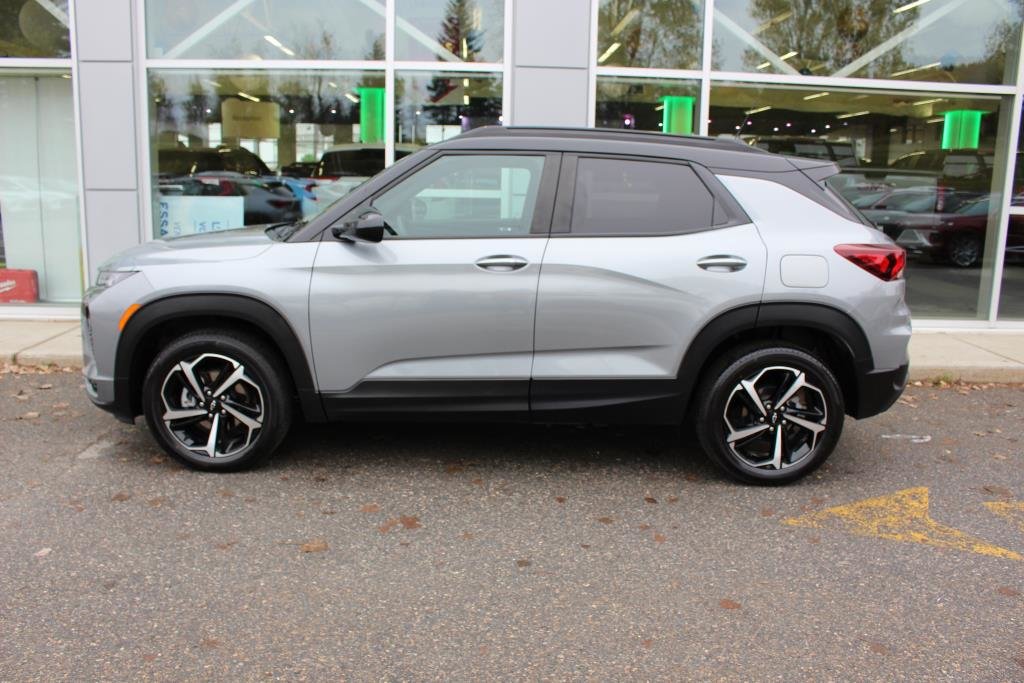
x=878 y=390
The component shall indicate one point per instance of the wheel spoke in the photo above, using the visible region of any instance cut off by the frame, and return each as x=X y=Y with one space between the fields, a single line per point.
x=740 y=434
x=235 y=376
x=182 y=413
x=797 y=384
x=777 y=450
x=814 y=427
x=748 y=386
x=190 y=375
x=242 y=417
x=211 y=442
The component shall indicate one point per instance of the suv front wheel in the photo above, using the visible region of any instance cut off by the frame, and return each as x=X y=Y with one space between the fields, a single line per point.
x=769 y=414
x=217 y=400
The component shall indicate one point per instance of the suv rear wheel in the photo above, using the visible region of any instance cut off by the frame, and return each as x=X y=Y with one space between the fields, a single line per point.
x=769 y=414
x=217 y=400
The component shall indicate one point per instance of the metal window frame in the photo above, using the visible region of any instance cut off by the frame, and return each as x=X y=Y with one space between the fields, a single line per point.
x=388 y=67
x=991 y=278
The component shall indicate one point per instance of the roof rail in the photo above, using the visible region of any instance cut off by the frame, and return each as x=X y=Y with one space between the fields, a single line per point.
x=610 y=133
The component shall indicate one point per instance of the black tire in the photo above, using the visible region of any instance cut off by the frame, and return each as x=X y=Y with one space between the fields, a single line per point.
x=721 y=397
x=261 y=396
x=964 y=251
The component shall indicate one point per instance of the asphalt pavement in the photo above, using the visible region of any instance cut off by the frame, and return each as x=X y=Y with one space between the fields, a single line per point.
x=478 y=552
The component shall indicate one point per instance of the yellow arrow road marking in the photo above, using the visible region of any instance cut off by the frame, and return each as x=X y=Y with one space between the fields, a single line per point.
x=901 y=516
x=1011 y=511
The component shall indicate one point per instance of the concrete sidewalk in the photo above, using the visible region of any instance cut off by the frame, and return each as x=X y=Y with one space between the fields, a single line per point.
x=971 y=356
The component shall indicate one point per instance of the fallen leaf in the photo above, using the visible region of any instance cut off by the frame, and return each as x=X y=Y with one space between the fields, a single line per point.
x=156 y=502
x=647 y=644
x=209 y=643
x=388 y=525
x=43 y=553
x=317 y=545
x=659 y=538
x=767 y=512
x=692 y=477
x=605 y=520
x=467 y=536
x=226 y=493
x=370 y=508
x=878 y=648
x=226 y=545
x=673 y=499
x=454 y=468
x=728 y=604
x=523 y=563
x=644 y=527
x=585 y=546
x=1008 y=591
x=998 y=491
x=650 y=500
x=477 y=482
x=149 y=658
x=120 y=496
x=46 y=386
x=410 y=522
x=559 y=499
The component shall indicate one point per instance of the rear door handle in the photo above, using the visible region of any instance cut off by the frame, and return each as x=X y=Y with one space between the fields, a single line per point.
x=501 y=263
x=722 y=263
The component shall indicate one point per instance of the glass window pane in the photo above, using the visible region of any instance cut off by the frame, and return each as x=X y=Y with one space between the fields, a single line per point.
x=434 y=106
x=1011 y=299
x=450 y=30
x=963 y=41
x=267 y=29
x=39 y=237
x=664 y=34
x=465 y=196
x=236 y=148
x=918 y=165
x=658 y=104
x=34 y=29
x=616 y=197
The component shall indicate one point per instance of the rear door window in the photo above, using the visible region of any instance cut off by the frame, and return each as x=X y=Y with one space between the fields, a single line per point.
x=627 y=197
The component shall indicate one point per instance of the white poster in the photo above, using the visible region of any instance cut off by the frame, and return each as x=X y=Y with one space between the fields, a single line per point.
x=193 y=215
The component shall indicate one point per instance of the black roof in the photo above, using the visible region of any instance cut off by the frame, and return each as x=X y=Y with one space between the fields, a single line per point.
x=724 y=152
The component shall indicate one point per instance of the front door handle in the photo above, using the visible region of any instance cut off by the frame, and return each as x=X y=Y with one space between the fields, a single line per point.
x=722 y=263
x=502 y=263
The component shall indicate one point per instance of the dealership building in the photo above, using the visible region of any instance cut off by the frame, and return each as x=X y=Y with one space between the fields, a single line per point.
x=123 y=121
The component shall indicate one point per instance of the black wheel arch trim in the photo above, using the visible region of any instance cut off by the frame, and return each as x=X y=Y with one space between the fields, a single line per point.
x=839 y=326
x=227 y=306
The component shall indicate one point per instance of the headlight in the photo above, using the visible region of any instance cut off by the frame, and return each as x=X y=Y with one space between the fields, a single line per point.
x=109 y=278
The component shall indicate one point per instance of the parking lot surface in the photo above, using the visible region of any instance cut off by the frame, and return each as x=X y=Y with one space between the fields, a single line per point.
x=459 y=552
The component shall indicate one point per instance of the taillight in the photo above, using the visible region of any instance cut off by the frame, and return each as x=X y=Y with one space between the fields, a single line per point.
x=884 y=261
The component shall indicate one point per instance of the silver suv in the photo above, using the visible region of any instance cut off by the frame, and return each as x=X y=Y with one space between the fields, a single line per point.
x=550 y=275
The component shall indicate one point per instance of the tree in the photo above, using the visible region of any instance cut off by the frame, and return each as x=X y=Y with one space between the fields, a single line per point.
x=650 y=33
x=460 y=30
x=829 y=34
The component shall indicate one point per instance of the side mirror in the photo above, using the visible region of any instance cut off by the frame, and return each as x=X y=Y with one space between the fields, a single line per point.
x=367 y=229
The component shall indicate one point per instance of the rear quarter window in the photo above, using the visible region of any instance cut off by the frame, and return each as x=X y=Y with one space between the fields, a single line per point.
x=628 y=197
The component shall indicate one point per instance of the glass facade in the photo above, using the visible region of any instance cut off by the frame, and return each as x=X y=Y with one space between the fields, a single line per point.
x=656 y=104
x=34 y=30
x=825 y=80
x=236 y=148
x=450 y=31
x=231 y=147
x=948 y=41
x=261 y=111
x=269 y=29
x=434 y=106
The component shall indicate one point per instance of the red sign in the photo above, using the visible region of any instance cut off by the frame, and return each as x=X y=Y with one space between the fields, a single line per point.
x=18 y=286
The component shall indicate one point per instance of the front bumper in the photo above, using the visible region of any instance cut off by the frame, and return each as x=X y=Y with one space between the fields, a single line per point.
x=878 y=390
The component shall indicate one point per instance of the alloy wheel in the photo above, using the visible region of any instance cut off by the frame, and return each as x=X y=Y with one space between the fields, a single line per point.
x=774 y=418
x=212 y=406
